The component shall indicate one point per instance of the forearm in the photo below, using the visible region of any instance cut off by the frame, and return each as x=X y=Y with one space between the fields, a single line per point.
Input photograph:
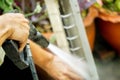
x=52 y=64
x=40 y=56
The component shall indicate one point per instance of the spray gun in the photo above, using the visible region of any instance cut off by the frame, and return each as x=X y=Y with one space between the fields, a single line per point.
x=24 y=59
x=37 y=37
x=11 y=49
x=21 y=59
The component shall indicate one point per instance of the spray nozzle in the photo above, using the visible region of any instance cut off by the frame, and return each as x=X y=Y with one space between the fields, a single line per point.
x=37 y=37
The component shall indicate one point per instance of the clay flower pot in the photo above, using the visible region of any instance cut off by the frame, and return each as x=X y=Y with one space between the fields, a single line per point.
x=109 y=27
x=90 y=25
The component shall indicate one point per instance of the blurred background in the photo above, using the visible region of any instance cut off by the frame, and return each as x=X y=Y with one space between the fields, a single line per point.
x=101 y=20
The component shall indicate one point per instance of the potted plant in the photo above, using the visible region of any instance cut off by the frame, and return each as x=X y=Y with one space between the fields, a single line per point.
x=108 y=22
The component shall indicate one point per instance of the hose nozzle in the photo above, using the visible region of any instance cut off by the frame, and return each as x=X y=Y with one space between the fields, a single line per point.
x=37 y=37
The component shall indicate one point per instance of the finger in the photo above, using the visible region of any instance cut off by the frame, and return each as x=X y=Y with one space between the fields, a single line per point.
x=22 y=15
x=2 y=39
x=21 y=46
x=21 y=20
x=24 y=20
x=19 y=15
x=23 y=42
x=4 y=34
x=26 y=26
x=12 y=15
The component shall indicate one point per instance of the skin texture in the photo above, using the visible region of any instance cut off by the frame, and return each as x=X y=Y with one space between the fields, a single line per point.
x=52 y=64
x=14 y=26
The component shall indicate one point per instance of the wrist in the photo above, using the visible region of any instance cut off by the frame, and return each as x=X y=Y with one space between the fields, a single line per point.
x=41 y=57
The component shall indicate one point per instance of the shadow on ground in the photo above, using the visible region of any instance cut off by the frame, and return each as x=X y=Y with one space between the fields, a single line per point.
x=106 y=59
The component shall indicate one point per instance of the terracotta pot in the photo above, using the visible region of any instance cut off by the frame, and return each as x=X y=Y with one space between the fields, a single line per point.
x=109 y=27
x=90 y=25
x=90 y=31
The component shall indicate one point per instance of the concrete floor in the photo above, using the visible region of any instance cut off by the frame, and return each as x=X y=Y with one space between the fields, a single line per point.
x=106 y=59
x=108 y=70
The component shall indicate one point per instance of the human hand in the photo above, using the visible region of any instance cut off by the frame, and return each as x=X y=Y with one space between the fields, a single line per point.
x=61 y=71
x=14 y=26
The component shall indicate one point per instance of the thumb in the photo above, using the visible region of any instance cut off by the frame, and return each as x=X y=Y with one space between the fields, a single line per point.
x=22 y=45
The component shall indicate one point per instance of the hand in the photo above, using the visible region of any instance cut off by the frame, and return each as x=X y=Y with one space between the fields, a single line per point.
x=61 y=71
x=14 y=26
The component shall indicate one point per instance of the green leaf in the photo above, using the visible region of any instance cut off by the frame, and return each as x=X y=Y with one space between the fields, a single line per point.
x=108 y=1
x=117 y=4
x=38 y=8
x=6 y=5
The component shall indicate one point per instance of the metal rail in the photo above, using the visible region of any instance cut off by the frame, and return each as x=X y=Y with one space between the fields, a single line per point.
x=68 y=26
x=75 y=33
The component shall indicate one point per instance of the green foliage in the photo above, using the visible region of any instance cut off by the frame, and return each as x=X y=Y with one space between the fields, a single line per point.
x=6 y=5
x=84 y=13
x=97 y=5
x=108 y=1
x=117 y=3
x=36 y=10
x=113 y=5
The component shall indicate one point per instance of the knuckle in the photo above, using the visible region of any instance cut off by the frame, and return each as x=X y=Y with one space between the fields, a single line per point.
x=28 y=27
x=27 y=33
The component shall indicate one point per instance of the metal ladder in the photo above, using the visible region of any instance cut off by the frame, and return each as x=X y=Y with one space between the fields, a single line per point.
x=68 y=13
